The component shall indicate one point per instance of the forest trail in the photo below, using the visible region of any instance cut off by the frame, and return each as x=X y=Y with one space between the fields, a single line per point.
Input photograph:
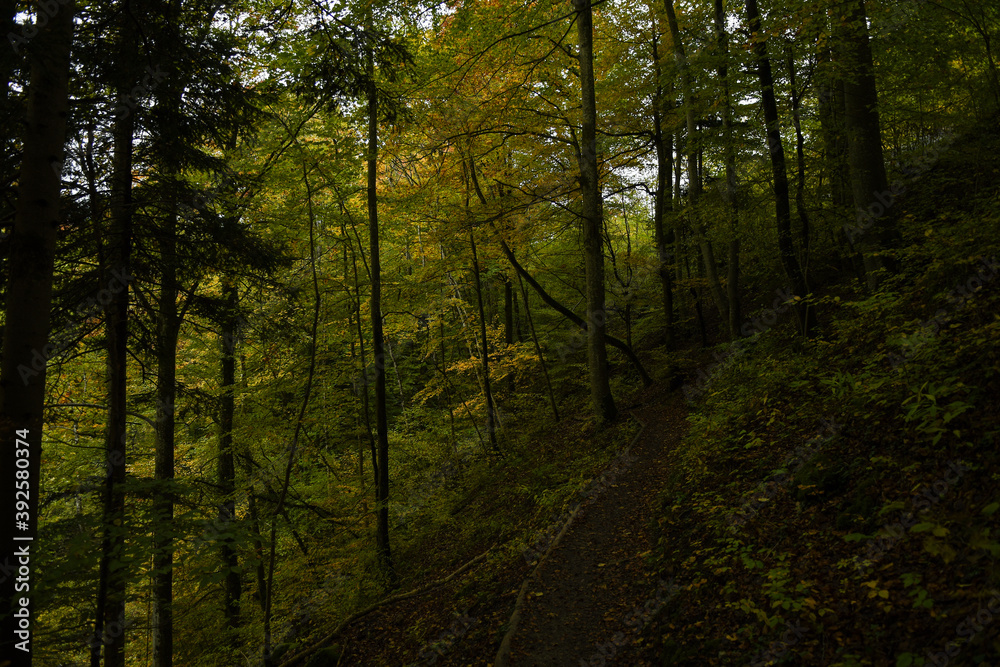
x=594 y=584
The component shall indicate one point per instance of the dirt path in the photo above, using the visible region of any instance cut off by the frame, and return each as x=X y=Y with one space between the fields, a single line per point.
x=594 y=584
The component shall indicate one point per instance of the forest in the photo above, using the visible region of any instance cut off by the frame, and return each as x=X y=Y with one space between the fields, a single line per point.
x=391 y=332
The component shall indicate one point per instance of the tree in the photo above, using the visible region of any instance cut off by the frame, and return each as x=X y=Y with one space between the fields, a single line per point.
x=491 y=427
x=663 y=236
x=592 y=218
x=110 y=603
x=693 y=172
x=378 y=341
x=875 y=230
x=730 y=189
x=29 y=297
x=783 y=211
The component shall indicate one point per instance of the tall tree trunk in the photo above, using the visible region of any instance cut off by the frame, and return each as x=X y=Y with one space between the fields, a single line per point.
x=299 y=423
x=711 y=268
x=363 y=388
x=491 y=425
x=731 y=193
x=832 y=127
x=111 y=580
x=11 y=111
x=249 y=468
x=783 y=212
x=447 y=383
x=593 y=222
x=678 y=169
x=226 y=463
x=508 y=309
x=509 y=329
x=875 y=228
x=167 y=329
x=800 y=166
x=26 y=333
x=168 y=322
x=538 y=351
x=491 y=428
x=663 y=200
x=378 y=342
x=694 y=173
x=110 y=607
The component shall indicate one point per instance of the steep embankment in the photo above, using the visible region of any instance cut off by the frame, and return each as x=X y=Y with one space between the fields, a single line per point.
x=836 y=503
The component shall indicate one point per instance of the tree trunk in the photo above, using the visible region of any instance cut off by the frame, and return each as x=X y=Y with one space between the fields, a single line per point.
x=832 y=128
x=363 y=388
x=800 y=165
x=378 y=343
x=110 y=605
x=491 y=427
x=299 y=423
x=783 y=212
x=167 y=329
x=593 y=223
x=831 y=116
x=447 y=388
x=730 y=191
x=258 y=540
x=694 y=174
x=11 y=111
x=538 y=351
x=509 y=330
x=26 y=345
x=712 y=274
x=875 y=228
x=226 y=464
x=663 y=201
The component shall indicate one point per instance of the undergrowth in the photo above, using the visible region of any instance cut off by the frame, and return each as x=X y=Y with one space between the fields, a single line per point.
x=835 y=503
